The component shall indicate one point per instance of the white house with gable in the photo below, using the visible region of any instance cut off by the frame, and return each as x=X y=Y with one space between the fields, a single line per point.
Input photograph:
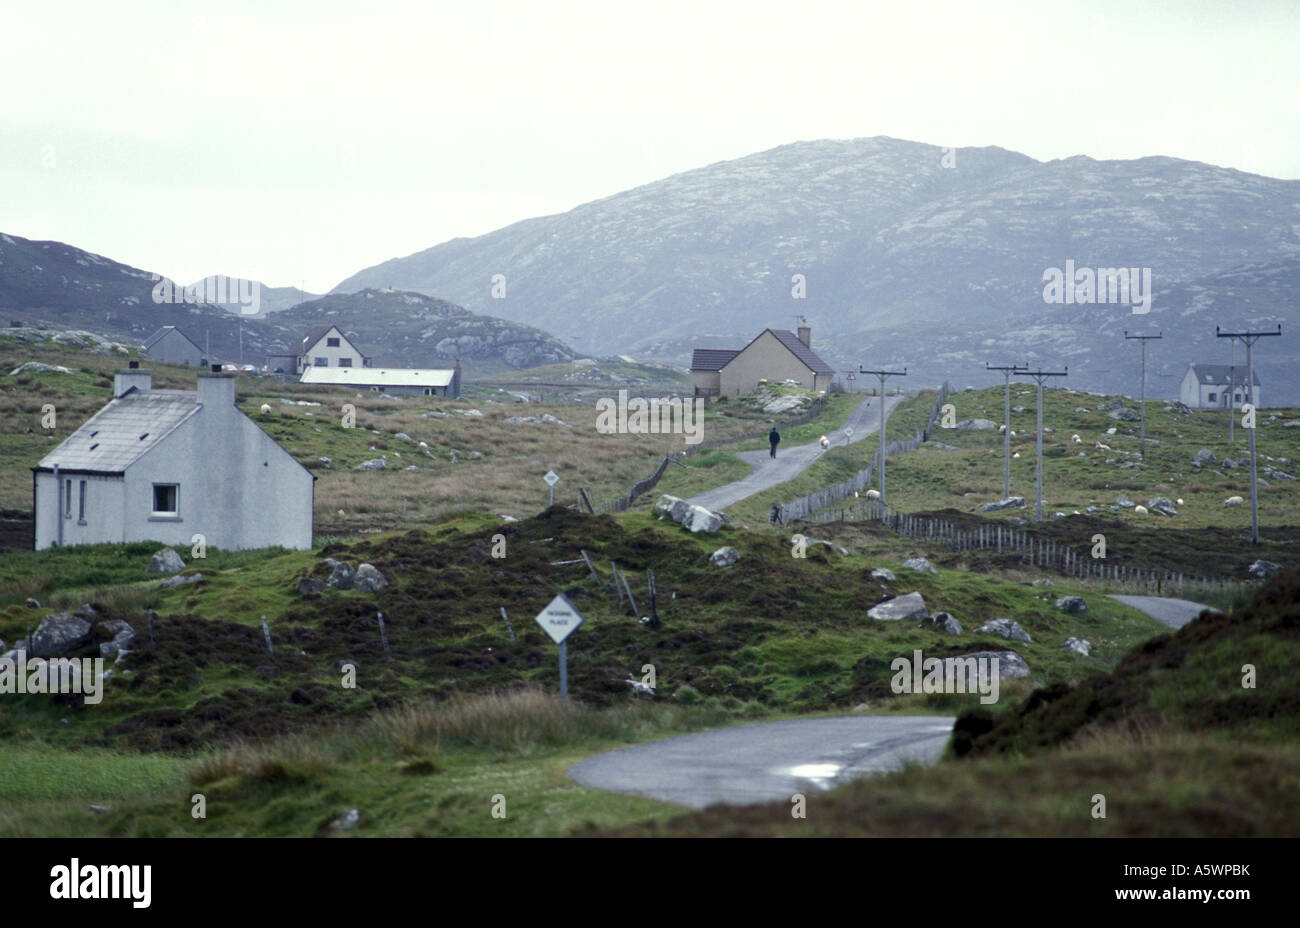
x=1207 y=386
x=166 y=465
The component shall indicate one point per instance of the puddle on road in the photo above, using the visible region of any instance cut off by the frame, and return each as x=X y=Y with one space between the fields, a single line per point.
x=821 y=775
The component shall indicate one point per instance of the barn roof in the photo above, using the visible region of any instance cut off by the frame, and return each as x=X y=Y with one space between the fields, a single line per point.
x=378 y=377
x=1218 y=374
x=711 y=359
x=123 y=431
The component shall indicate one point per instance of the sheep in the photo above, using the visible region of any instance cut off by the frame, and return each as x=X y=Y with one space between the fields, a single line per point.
x=1178 y=502
x=1101 y=447
x=825 y=442
x=1233 y=501
x=1016 y=454
x=266 y=409
x=1140 y=510
x=1076 y=439
x=873 y=494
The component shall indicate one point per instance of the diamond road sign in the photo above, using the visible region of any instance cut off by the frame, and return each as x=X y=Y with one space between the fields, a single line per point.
x=560 y=618
x=552 y=477
x=848 y=430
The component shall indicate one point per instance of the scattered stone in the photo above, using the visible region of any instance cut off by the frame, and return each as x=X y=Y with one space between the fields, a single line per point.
x=1011 y=666
x=1077 y=646
x=58 y=634
x=883 y=573
x=1011 y=502
x=368 y=579
x=347 y=821
x=920 y=563
x=942 y=621
x=724 y=556
x=1041 y=582
x=98 y=809
x=1072 y=604
x=1162 y=505
x=1090 y=510
x=969 y=425
x=1005 y=628
x=1261 y=570
x=179 y=580
x=402 y=436
x=1124 y=502
x=165 y=561
x=309 y=585
x=1277 y=474
x=1204 y=456
x=1124 y=415
x=688 y=515
x=468 y=412
x=373 y=464
x=38 y=367
x=342 y=576
x=123 y=637
x=908 y=606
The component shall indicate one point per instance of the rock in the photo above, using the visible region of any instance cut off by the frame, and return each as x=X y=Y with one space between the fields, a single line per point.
x=58 y=634
x=943 y=622
x=1124 y=502
x=883 y=573
x=123 y=637
x=369 y=579
x=1072 y=604
x=1204 y=456
x=1277 y=474
x=970 y=425
x=309 y=585
x=1162 y=505
x=1077 y=646
x=1017 y=409
x=165 y=561
x=179 y=580
x=1230 y=463
x=1293 y=424
x=347 y=821
x=38 y=367
x=1005 y=628
x=1011 y=665
x=402 y=436
x=1090 y=510
x=689 y=516
x=1261 y=570
x=468 y=412
x=373 y=464
x=342 y=576
x=724 y=556
x=908 y=606
x=1011 y=502
x=1041 y=582
x=1124 y=415
x=547 y=417
x=919 y=563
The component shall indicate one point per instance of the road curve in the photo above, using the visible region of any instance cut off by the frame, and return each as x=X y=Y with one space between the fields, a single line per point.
x=790 y=462
x=765 y=762
x=1167 y=611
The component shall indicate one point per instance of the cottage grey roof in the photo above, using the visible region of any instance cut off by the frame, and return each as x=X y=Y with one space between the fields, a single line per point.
x=1218 y=374
x=379 y=377
x=158 y=336
x=711 y=359
x=802 y=351
x=121 y=432
x=315 y=334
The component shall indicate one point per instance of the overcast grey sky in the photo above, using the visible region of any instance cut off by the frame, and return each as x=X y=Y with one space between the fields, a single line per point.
x=300 y=142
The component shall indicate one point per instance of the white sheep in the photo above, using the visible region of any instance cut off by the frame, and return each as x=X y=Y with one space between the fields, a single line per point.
x=1015 y=454
x=1101 y=446
x=266 y=409
x=873 y=494
x=1233 y=501
x=1178 y=502
x=1140 y=510
x=1076 y=439
x=825 y=442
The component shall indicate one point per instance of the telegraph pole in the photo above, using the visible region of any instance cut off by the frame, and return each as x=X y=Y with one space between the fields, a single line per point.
x=1040 y=375
x=1232 y=392
x=1142 y=444
x=1006 y=426
x=1249 y=339
x=882 y=375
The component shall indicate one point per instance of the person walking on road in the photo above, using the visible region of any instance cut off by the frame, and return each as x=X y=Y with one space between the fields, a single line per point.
x=774 y=437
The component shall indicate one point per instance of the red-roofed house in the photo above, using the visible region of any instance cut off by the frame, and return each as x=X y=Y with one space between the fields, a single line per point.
x=776 y=355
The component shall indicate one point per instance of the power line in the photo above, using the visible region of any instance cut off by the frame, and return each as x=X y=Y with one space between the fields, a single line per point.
x=1039 y=376
x=1006 y=426
x=1249 y=339
x=1142 y=444
x=882 y=375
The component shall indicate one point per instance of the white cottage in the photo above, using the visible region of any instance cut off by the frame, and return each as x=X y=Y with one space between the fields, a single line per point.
x=165 y=465
x=1206 y=386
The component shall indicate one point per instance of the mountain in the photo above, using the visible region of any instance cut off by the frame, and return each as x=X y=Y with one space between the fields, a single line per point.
x=906 y=261
x=249 y=298
x=400 y=328
x=66 y=288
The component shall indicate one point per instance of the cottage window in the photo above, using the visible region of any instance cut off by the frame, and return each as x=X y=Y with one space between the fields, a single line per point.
x=345 y=362
x=165 y=499
x=322 y=362
x=1212 y=398
x=81 y=505
x=331 y=343
x=67 y=499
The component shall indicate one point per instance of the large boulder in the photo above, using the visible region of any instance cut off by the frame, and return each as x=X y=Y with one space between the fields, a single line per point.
x=165 y=561
x=976 y=425
x=688 y=515
x=1163 y=505
x=909 y=606
x=920 y=563
x=724 y=556
x=1005 y=628
x=1262 y=570
x=373 y=464
x=309 y=585
x=883 y=573
x=1011 y=502
x=1072 y=604
x=59 y=633
x=368 y=579
x=342 y=575
x=1010 y=664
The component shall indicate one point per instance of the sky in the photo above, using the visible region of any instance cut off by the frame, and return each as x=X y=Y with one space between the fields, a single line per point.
x=297 y=143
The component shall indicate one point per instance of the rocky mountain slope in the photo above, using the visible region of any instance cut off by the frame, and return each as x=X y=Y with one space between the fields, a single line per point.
x=906 y=261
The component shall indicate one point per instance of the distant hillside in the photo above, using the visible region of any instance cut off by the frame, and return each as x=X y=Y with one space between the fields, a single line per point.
x=267 y=300
x=905 y=261
x=399 y=328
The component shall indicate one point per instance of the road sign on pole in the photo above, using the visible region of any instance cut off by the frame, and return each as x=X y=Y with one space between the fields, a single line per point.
x=551 y=478
x=560 y=619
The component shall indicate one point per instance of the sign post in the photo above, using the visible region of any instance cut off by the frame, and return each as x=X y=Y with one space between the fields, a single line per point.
x=560 y=619
x=551 y=478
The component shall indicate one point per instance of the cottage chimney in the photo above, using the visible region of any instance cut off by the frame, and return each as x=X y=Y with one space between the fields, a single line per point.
x=805 y=335
x=216 y=390
x=132 y=377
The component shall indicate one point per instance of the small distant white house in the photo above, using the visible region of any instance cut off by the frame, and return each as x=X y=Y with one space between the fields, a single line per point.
x=1206 y=386
x=411 y=381
x=172 y=345
x=165 y=465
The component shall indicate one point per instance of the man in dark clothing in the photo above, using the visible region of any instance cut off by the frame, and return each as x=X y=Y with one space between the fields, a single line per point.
x=775 y=438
